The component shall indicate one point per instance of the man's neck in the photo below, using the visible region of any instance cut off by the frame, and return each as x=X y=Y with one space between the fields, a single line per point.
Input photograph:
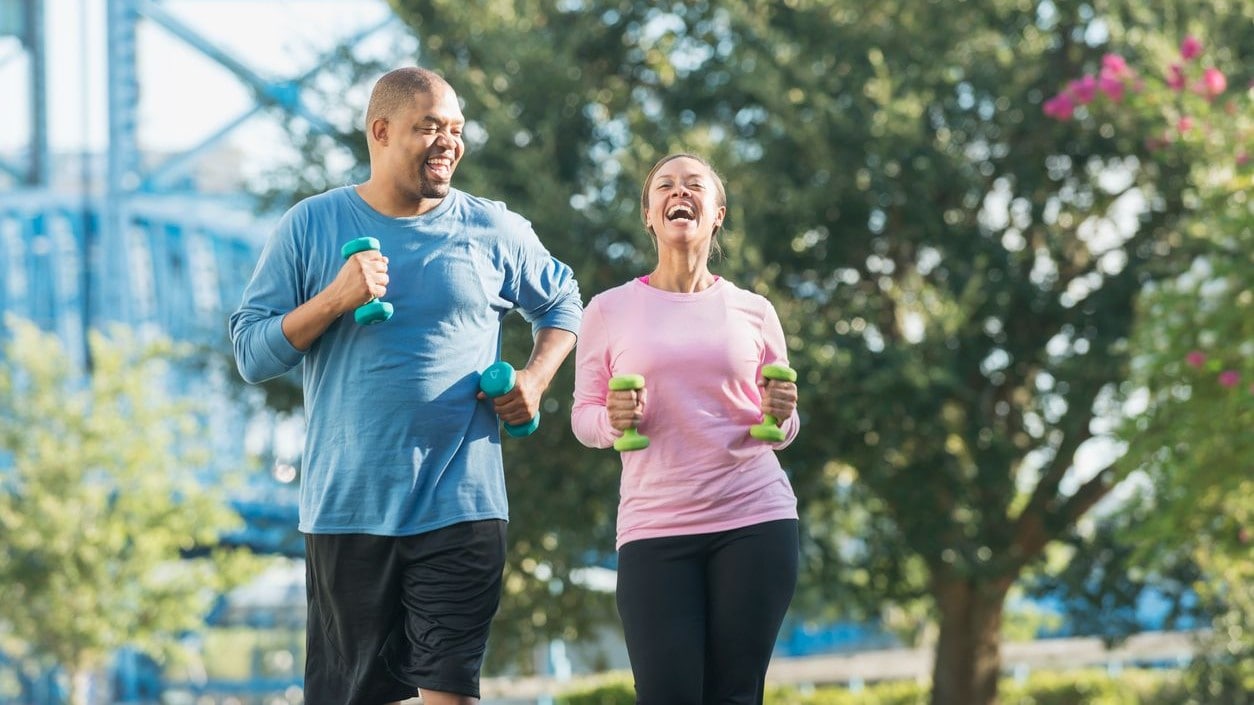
x=394 y=202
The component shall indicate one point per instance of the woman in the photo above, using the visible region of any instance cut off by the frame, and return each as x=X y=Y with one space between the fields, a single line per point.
x=707 y=531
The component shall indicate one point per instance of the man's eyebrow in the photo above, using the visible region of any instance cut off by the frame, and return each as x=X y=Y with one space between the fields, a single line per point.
x=437 y=120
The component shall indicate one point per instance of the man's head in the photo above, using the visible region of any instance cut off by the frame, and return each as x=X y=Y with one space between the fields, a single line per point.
x=414 y=132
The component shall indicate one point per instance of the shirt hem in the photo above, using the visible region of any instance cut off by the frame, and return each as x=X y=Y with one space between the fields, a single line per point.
x=402 y=531
x=704 y=527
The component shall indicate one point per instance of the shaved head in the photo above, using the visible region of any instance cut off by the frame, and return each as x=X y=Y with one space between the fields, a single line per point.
x=396 y=90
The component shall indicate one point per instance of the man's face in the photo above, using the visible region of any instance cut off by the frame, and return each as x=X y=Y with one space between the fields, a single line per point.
x=424 y=143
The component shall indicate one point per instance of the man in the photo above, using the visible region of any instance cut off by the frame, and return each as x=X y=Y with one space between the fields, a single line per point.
x=402 y=501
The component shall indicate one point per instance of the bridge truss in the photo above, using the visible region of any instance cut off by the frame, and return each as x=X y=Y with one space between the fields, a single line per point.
x=126 y=240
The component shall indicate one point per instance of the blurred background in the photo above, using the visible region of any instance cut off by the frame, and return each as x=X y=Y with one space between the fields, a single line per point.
x=1011 y=243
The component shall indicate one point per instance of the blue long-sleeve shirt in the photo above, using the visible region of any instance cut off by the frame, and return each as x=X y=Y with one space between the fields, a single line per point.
x=396 y=442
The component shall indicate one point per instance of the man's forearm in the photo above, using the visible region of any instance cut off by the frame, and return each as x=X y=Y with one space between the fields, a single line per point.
x=551 y=347
x=303 y=324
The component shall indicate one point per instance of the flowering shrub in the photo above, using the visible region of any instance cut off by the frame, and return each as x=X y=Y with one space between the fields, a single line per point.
x=1194 y=336
x=1192 y=90
x=1188 y=109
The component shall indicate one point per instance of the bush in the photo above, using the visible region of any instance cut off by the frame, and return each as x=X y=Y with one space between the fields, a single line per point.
x=613 y=693
x=1087 y=687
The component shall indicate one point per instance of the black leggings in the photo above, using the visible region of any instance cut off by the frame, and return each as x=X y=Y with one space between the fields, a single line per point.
x=701 y=613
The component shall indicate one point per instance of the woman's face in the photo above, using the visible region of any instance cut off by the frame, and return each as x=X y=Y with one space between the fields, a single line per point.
x=684 y=205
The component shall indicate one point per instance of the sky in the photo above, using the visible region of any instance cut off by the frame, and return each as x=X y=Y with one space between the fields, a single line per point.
x=185 y=96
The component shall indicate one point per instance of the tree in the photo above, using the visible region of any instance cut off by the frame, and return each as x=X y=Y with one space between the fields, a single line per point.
x=957 y=272
x=100 y=505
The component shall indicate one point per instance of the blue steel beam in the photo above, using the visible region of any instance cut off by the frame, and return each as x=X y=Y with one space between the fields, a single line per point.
x=36 y=46
x=24 y=19
x=178 y=165
x=11 y=25
x=114 y=298
x=16 y=171
x=283 y=94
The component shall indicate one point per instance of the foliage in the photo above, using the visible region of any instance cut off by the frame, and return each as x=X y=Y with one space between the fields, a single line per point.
x=1103 y=590
x=99 y=503
x=956 y=271
x=1089 y=687
x=1189 y=431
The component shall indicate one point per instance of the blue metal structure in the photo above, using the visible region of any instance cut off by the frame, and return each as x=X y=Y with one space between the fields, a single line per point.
x=132 y=245
x=138 y=249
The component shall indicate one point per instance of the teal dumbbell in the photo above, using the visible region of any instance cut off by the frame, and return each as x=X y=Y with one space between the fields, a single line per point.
x=374 y=310
x=769 y=429
x=499 y=379
x=631 y=438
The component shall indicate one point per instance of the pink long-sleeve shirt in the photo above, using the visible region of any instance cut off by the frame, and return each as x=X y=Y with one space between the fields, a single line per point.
x=701 y=356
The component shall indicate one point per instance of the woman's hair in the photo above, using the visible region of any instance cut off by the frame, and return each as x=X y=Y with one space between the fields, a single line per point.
x=719 y=190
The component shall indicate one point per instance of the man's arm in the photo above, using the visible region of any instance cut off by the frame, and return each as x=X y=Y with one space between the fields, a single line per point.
x=362 y=277
x=551 y=348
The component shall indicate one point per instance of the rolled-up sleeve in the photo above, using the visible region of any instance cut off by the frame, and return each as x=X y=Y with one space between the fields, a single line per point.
x=543 y=287
x=262 y=351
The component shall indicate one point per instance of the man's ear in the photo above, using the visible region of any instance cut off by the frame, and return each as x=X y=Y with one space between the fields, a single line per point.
x=379 y=130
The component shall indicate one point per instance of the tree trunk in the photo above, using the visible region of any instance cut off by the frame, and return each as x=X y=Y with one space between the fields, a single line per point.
x=80 y=686
x=968 y=650
x=88 y=688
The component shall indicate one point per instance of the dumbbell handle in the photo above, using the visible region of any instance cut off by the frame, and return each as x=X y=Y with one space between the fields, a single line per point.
x=769 y=429
x=499 y=379
x=631 y=438
x=374 y=310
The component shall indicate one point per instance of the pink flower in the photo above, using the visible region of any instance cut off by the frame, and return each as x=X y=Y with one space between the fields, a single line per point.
x=1083 y=89
x=1184 y=124
x=1175 y=77
x=1243 y=158
x=1190 y=48
x=1213 y=83
x=1112 y=86
x=1229 y=378
x=1059 y=107
x=1115 y=66
x=1195 y=358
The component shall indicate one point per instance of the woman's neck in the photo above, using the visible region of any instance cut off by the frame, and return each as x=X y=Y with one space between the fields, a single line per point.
x=682 y=280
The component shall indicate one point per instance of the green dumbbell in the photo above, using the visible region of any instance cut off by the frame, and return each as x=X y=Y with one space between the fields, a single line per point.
x=499 y=379
x=631 y=438
x=769 y=429
x=374 y=310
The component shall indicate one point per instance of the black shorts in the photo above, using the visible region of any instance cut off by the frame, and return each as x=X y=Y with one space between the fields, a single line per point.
x=391 y=615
